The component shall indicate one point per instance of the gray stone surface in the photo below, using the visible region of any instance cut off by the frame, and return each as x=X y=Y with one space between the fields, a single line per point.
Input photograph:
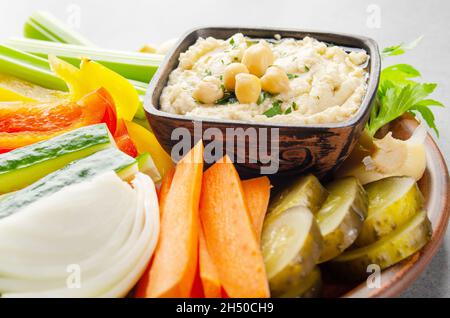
x=128 y=24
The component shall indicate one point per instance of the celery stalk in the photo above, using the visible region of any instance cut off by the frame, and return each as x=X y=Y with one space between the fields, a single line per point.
x=44 y=26
x=37 y=70
x=131 y=65
x=29 y=67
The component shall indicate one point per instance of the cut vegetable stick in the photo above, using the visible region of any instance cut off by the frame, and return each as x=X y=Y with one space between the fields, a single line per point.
x=166 y=183
x=197 y=287
x=229 y=233
x=257 y=194
x=208 y=271
x=175 y=261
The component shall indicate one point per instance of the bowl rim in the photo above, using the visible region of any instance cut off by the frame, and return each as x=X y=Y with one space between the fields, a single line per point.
x=364 y=109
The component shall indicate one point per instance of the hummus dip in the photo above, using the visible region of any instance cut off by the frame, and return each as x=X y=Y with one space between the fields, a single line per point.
x=307 y=82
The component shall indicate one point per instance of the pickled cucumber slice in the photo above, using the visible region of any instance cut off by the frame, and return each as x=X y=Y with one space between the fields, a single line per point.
x=291 y=246
x=392 y=202
x=308 y=287
x=306 y=191
x=341 y=217
x=391 y=249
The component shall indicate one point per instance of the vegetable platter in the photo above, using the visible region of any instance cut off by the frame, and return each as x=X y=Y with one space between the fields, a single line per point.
x=92 y=203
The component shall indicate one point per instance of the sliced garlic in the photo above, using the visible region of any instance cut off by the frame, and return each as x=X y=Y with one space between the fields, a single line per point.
x=390 y=157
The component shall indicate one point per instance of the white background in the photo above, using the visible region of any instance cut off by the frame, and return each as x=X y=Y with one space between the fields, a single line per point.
x=128 y=24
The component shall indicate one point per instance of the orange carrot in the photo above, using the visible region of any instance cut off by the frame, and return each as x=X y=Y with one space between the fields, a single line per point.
x=229 y=233
x=208 y=272
x=164 y=189
x=257 y=194
x=197 y=287
x=142 y=285
x=175 y=261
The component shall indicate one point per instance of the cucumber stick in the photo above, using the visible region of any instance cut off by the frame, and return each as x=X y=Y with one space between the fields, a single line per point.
x=147 y=166
x=23 y=166
x=110 y=159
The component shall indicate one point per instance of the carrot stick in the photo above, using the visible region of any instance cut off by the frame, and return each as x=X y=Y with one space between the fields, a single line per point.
x=164 y=189
x=197 y=287
x=257 y=194
x=229 y=233
x=176 y=256
x=142 y=285
x=208 y=272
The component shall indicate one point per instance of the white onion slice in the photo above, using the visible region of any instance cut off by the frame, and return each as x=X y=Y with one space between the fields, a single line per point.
x=105 y=226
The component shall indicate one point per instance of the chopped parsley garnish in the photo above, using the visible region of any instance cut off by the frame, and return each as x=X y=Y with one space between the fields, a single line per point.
x=292 y=76
x=288 y=110
x=232 y=41
x=228 y=98
x=307 y=68
x=274 y=110
x=263 y=96
x=208 y=73
x=251 y=42
x=294 y=106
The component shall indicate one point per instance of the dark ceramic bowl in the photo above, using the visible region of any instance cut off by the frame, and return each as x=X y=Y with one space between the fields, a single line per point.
x=318 y=148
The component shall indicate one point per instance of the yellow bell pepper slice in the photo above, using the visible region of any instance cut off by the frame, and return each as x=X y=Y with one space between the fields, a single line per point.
x=13 y=89
x=7 y=95
x=92 y=76
x=145 y=141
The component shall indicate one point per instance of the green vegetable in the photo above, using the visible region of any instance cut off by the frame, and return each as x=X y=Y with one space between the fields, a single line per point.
x=44 y=26
x=29 y=67
x=392 y=202
x=110 y=159
x=398 y=93
x=291 y=244
x=23 y=166
x=292 y=76
x=400 y=244
x=304 y=191
x=262 y=97
x=288 y=110
x=131 y=65
x=400 y=48
x=228 y=98
x=341 y=217
x=37 y=70
x=274 y=110
x=294 y=106
x=147 y=166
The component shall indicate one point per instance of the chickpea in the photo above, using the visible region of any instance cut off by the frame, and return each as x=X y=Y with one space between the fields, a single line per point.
x=208 y=91
x=230 y=73
x=275 y=80
x=248 y=88
x=258 y=58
